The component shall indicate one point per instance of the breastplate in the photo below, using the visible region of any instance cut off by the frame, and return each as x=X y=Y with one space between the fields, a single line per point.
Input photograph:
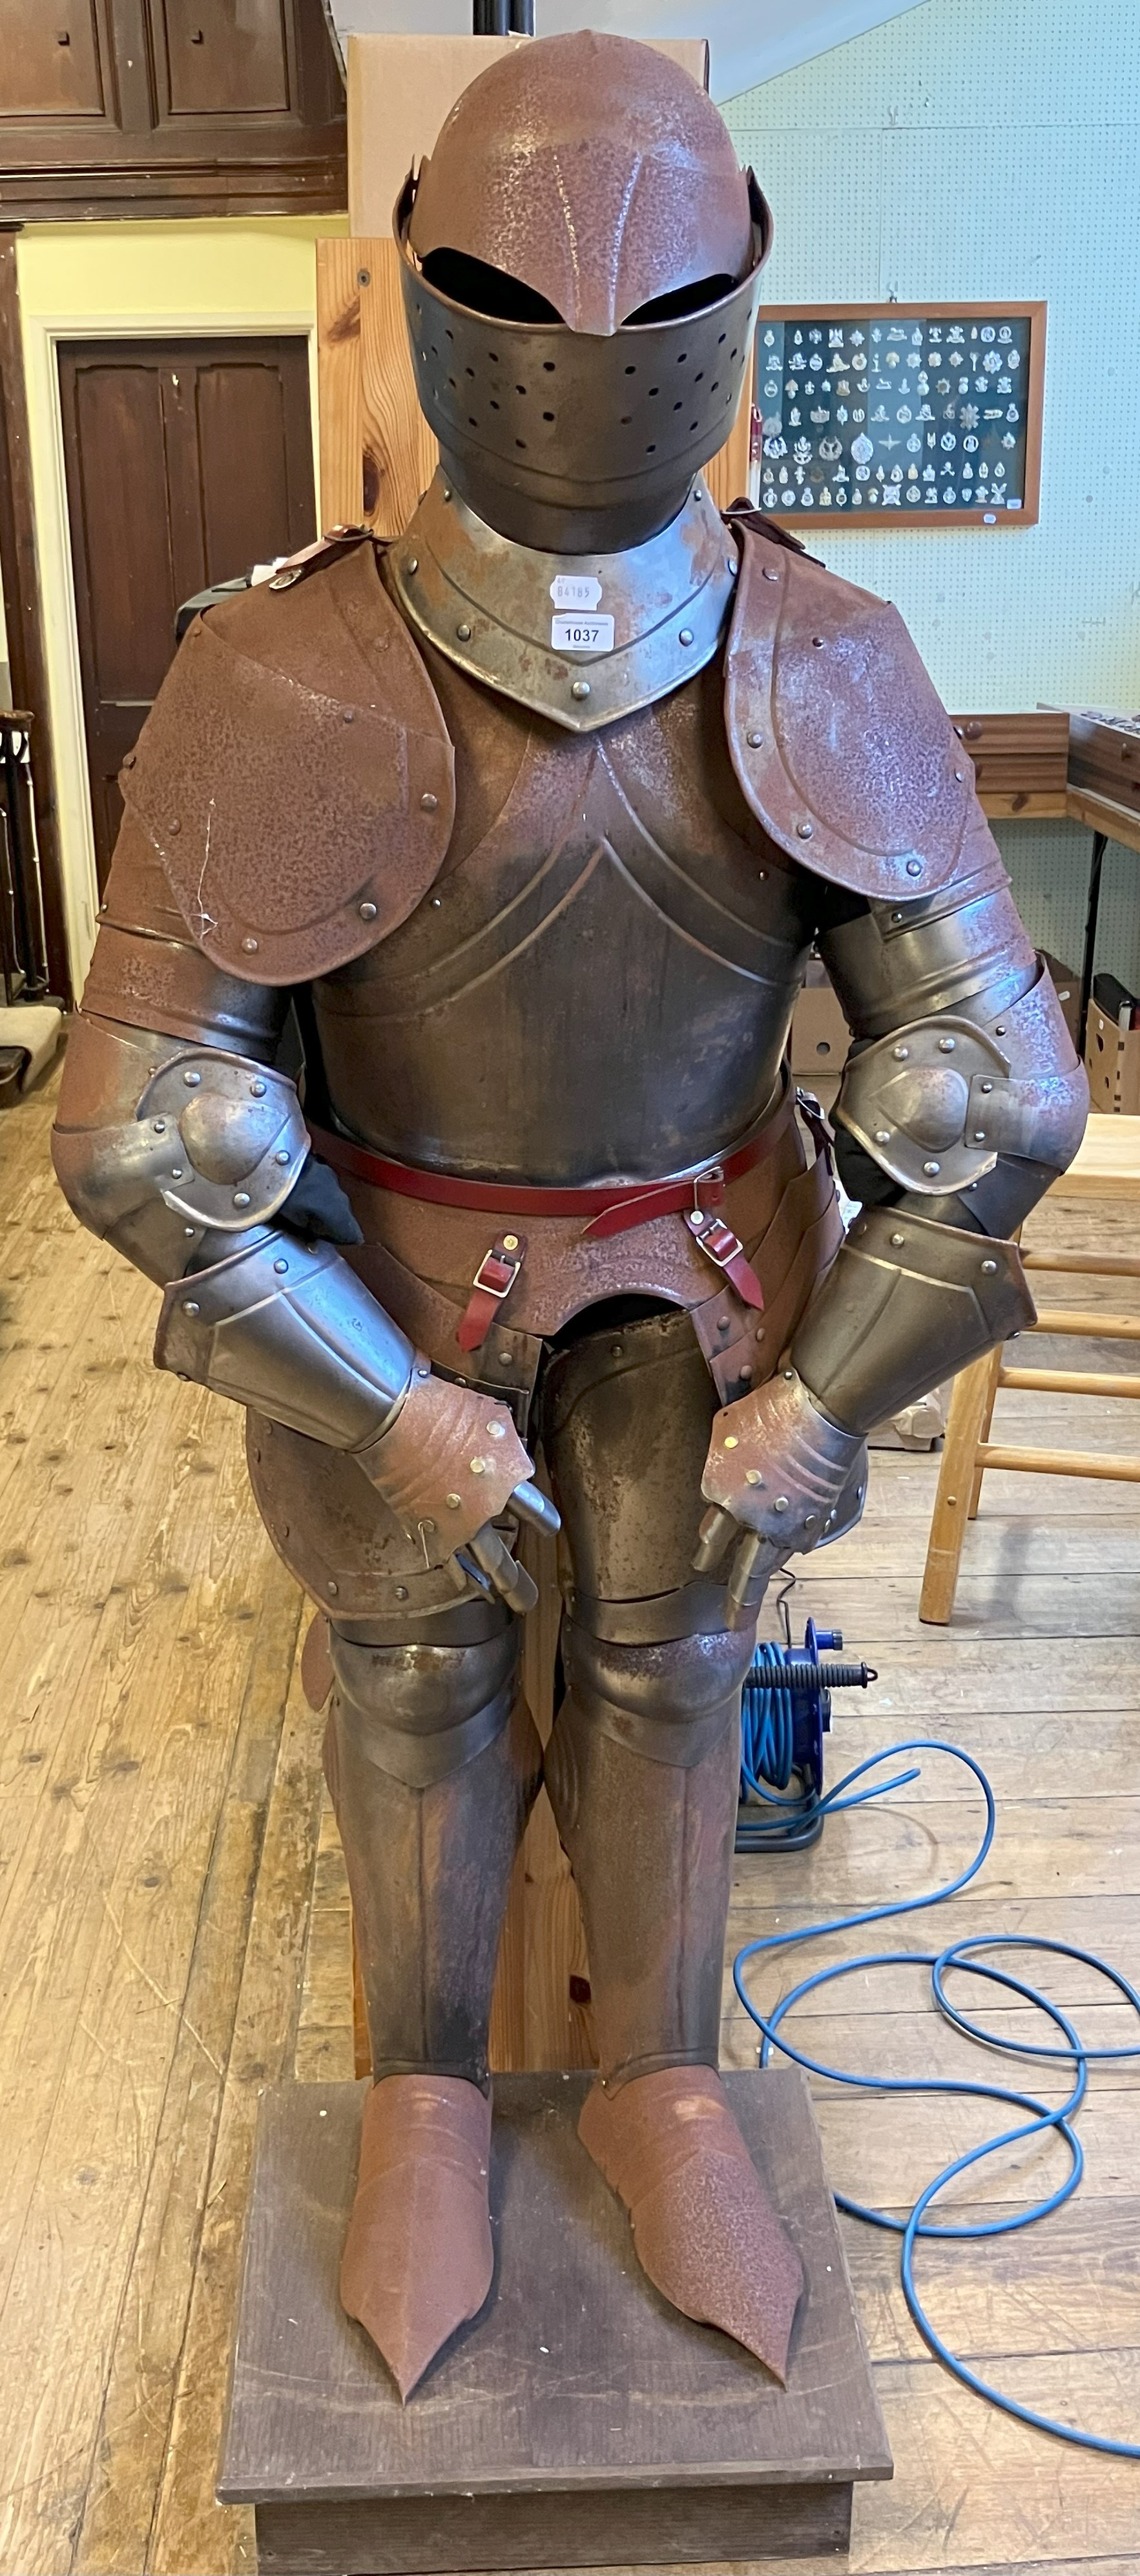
x=600 y=982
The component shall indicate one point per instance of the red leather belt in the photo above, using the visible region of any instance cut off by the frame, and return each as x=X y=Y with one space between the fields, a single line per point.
x=609 y=1208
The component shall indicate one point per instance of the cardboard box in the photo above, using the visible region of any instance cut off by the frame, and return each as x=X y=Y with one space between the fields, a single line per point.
x=1112 y=1061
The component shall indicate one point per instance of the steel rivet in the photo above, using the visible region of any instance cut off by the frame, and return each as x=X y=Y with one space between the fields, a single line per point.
x=804 y=831
x=424 y=1369
x=781 y=1503
x=368 y=912
x=817 y=640
x=898 y=1241
x=281 y=1267
x=882 y=1135
x=760 y=1332
x=177 y=1173
x=745 y=1374
x=453 y=1502
x=428 y=802
x=896 y=916
x=191 y=1080
x=349 y=715
x=496 y=1430
x=580 y=689
x=160 y=1126
x=283 y=1156
x=510 y=1243
x=752 y=1476
x=413 y=563
x=617 y=1350
x=505 y=1354
x=190 y=1308
x=809 y=1520
x=914 y=867
x=959 y=773
x=946 y=1046
x=988 y=1268
x=979 y=1135
x=932 y=1169
x=987 y=1086
x=686 y=635
x=447 y=491
x=401 y=1592
x=250 y=947
x=257 y=1090
x=722 y=1324
x=241 y=1198
x=189 y=1230
x=900 y=1054
x=754 y=741
x=176 y=825
x=790 y=1376
x=332 y=1589
x=769 y=574
x=478 y=1466
x=732 y=1442
x=999 y=1031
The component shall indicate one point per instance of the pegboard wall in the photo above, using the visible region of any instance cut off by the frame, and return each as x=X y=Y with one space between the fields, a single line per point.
x=991 y=148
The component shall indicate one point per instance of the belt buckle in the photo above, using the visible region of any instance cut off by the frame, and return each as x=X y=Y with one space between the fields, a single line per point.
x=499 y=1268
x=714 y=1236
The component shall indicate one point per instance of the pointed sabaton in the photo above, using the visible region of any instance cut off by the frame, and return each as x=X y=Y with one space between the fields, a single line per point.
x=418 y=2257
x=703 y=2225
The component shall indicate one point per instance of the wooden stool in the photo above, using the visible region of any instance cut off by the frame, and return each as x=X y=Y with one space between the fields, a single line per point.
x=1107 y=1167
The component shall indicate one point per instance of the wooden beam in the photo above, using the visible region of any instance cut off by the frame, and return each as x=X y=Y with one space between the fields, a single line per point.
x=23 y=610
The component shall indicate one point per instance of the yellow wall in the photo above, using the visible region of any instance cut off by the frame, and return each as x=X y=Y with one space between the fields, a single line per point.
x=87 y=280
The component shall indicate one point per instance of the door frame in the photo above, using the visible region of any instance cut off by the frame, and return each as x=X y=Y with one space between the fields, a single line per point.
x=57 y=586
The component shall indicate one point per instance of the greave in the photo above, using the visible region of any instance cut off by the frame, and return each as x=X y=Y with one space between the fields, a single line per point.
x=433 y=1764
x=642 y=1771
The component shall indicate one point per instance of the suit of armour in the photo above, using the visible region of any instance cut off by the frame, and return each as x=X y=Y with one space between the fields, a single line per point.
x=524 y=826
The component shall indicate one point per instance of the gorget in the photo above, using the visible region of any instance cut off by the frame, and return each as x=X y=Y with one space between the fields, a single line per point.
x=582 y=639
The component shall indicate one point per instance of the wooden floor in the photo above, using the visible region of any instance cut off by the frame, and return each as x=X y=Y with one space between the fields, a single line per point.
x=173 y=1935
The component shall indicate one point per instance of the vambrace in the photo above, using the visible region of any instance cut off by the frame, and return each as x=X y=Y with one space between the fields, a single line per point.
x=906 y=1301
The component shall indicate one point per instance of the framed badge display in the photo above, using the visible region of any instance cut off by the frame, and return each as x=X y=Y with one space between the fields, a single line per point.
x=900 y=413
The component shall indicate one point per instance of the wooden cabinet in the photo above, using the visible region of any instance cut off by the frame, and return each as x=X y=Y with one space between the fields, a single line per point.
x=175 y=107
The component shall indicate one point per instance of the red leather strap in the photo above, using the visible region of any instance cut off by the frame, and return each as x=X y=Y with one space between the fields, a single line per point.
x=721 y=1245
x=610 y=1208
x=494 y=1280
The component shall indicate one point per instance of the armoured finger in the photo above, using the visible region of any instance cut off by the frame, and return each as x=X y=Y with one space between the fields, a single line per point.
x=536 y=1507
x=744 y=1566
x=715 y=1532
x=461 y=1570
x=511 y=1581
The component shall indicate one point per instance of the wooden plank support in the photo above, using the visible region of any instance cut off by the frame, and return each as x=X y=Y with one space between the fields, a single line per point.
x=1058 y=1462
x=1069 y=1382
x=1088 y=1327
x=1090 y=1265
x=973 y=1392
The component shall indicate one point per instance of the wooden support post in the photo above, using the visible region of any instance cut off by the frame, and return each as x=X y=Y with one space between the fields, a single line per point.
x=955 y=1488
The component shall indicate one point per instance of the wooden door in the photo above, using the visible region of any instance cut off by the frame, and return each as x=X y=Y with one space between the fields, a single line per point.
x=187 y=462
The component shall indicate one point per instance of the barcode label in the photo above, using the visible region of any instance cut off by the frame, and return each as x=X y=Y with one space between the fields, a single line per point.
x=582 y=634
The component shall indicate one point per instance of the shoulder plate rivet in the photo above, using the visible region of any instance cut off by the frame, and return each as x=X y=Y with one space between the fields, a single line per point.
x=932 y=1170
x=900 y=1054
x=817 y=640
x=803 y=831
x=946 y=1046
x=988 y=1268
x=241 y=1198
x=191 y=1080
x=685 y=635
x=413 y=563
x=478 y=1466
x=281 y=1267
x=898 y=1241
x=257 y=1090
x=496 y=1430
x=580 y=689
x=781 y=1503
x=177 y=1173
x=464 y=632
x=283 y=1156
x=160 y=1126
x=367 y=911
x=959 y=773
x=189 y=1306
x=987 y=1086
x=914 y=867
x=999 y=1029
x=453 y=1502
x=250 y=947
x=752 y=1476
x=754 y=741
x=770 y=574
x=731 y=1441
x=428 y=802
x=882 y=1135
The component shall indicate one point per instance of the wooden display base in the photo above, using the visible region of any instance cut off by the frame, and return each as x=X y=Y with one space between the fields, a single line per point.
x=579 y=2421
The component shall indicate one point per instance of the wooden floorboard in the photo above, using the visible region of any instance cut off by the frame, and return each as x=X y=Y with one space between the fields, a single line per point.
x=174 y=1932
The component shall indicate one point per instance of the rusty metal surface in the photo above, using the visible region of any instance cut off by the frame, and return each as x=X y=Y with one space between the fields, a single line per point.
x=842 y=748
x=601 y=982
x=449 y=1462
x=895 y=962
x=703 y=2225
x=779 y=1466
x=492 y=607
x=904 y=1288
x=418 y=2259
x=936 y=1103
x=295 y=776
x=591 y=173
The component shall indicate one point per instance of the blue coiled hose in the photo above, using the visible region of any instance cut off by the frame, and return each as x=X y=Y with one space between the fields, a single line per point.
x=965 y=1958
